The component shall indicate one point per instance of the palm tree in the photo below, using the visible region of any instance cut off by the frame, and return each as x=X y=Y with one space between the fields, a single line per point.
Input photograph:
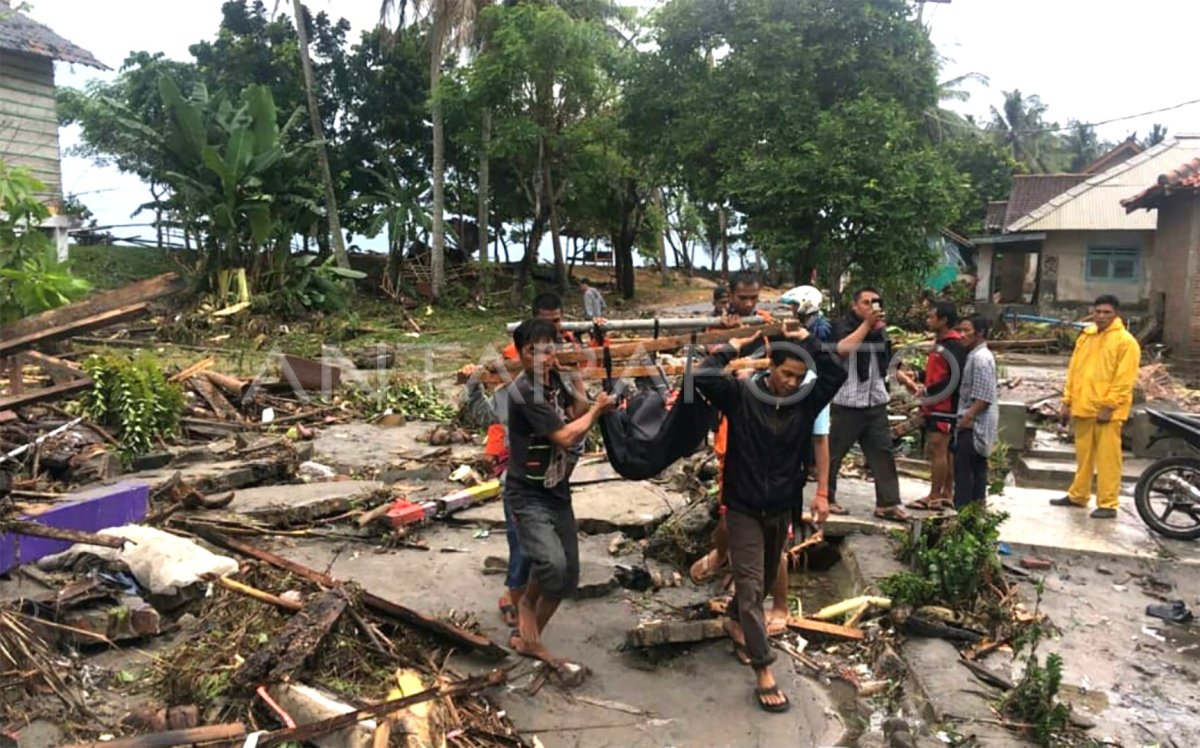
x=1158 y=134
x=451 y=26
x=314 y=116
x=1021 y=127
x=939 y=119
x=1082 y=145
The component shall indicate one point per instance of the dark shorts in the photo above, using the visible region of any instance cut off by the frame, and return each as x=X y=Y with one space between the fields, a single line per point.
x=549 y=538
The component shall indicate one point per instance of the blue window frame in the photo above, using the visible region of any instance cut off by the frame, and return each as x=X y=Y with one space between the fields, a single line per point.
x=1114 y=264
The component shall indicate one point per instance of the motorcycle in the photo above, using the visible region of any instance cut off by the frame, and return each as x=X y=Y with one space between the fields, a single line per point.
x=1167 y=495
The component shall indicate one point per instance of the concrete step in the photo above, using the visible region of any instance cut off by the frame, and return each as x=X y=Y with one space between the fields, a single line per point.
x=1039 y=472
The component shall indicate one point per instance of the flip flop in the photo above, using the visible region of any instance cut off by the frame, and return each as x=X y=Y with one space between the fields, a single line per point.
x=893 y=514
x=930 y=504
x=508 y=612
x=767 y=706
x=837 y=509
x=739 y=651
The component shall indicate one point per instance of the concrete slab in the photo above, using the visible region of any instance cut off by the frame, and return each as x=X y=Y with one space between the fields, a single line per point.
x=299 y=497
x=1034 y=523
x=89 y=511
x=698 y=697
x=365 y=449
x=634 y=508
x=219 y=477
x=1034 y=472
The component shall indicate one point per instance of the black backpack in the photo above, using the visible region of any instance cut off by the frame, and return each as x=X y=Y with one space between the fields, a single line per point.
x=647 y=432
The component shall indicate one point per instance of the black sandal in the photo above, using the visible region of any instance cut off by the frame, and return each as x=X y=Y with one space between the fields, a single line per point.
x=767 y=706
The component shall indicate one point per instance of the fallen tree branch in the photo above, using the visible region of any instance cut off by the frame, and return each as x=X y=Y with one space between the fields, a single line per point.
x=264 y=597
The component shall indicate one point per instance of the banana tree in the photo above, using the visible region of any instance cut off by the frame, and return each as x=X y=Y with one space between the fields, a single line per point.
x=235 y=175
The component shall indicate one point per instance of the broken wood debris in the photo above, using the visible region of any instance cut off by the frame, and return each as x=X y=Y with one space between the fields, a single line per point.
x=38 y=530
x=287 y=651
x=192 y=736
x=377 y=604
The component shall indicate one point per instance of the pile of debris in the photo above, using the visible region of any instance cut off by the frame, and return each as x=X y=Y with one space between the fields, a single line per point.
x=263 y=645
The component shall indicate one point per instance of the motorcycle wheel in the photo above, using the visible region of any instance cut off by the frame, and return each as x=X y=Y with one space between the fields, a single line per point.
x=1159 y=497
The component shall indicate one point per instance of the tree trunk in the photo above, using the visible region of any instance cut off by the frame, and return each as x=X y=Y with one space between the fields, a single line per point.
x=723 y=221
x=437 y=258
x=485 y=139
x=314 y=115
x=560 y=266
x=659 y=239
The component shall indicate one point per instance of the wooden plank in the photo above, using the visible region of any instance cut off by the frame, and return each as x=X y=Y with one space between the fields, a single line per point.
x=375 y=603
x=44 y=394
x=288 y=650
x=619 y=350
x=809 y=626
x=147 y=290
x=217 y=401
x=9 y=346
x=656 y=633
x=59 y=370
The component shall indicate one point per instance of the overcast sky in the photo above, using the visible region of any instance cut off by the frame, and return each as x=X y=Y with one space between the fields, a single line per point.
x=1089 y=61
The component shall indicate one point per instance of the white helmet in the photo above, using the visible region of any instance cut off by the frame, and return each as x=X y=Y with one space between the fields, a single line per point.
x=806 y=300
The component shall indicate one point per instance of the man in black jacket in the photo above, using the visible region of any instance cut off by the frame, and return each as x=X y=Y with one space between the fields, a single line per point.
x=767 y=415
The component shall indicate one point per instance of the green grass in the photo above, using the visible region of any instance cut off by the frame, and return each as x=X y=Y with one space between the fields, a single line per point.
x=106 y=266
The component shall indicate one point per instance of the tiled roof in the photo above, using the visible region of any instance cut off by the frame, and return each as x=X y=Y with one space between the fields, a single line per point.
x=1184 y=177
x=20 y=33
x=1095 y=204
x=996 y=210
x=1031 y=191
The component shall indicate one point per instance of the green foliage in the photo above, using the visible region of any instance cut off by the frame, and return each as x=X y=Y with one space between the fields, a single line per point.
x=135 y=399
x=314 y=286
x=31 y=278
x=404 y=396
x=1034 y=700
x=998 y=467
x=952 y=558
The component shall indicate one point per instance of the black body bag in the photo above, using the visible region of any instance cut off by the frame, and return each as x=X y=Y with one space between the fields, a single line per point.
x=648 y=431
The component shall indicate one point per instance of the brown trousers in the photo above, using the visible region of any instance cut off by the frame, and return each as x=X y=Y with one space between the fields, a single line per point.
x=755 y=544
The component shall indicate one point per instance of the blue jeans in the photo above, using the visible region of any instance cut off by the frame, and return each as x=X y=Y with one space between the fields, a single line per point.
x=518 y=564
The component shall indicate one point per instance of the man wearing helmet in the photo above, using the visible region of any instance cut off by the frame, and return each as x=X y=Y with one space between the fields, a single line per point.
x=805 y=303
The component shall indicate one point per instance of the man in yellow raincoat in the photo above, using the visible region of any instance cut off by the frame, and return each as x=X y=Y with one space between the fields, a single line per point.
x=1097 y=395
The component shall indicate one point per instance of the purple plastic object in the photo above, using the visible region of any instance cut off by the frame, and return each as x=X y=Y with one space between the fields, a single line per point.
x=87 y=511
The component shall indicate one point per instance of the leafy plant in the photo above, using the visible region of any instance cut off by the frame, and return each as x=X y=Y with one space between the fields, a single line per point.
x=313 y=286
x=951 y=559
x=1034 y=701
x=31 y=278
x=998 y=467
x=134 y=398
x=403 y=396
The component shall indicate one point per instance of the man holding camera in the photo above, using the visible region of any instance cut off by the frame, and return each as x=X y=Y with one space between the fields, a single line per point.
x=859 y=413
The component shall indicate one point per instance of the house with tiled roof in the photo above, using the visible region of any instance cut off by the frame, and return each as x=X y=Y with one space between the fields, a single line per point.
x=1174 y=196
x=1061 y=240
x=28 y=110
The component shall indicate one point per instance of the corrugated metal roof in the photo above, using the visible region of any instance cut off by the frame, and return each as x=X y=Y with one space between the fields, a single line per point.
x=1095 y=205
x=20 y=33
x=1031 y=191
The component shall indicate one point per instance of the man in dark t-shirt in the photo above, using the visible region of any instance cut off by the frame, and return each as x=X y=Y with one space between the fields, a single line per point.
x=548 y=417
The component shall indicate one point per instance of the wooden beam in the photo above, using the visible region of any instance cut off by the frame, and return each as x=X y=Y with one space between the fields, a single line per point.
x=193 y=736
x=619 y=350
x=10 y=346
x=38 y=530
x=97 y=303
x=807 y=625
x=373 y=602
x=597 y=373
x=31 y=397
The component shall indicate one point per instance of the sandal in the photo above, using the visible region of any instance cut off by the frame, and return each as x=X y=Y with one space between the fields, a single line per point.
x=508 y=611
x=930 y=504
x=776 y=626
x=835 y=508
x=767 y=706
x=739 y=648
x=893 y=513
